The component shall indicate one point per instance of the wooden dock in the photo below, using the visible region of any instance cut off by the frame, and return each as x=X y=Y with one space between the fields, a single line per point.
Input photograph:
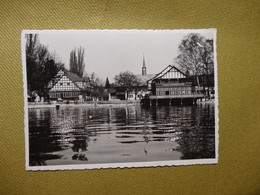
x=170 y=100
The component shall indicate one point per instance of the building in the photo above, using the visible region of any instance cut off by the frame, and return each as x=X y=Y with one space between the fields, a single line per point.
x=66 y=85
x=137 y=92
x=171 y=86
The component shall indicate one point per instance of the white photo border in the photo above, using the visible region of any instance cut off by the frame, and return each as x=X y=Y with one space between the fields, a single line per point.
x=125 y=164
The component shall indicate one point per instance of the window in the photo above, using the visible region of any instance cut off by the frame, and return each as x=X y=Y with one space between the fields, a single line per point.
x=68 y=83
x=61 y=83
x=166 y=92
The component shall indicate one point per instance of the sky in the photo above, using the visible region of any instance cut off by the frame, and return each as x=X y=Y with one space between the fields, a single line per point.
x=109 y=52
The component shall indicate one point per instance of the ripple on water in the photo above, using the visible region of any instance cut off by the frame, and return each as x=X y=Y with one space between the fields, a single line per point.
x=81 y=134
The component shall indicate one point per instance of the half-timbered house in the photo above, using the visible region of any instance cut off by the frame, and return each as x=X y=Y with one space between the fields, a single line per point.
x=171 y=84
x=65 y=85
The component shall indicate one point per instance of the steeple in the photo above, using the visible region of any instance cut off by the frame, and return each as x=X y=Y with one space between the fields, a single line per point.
x=144 y=67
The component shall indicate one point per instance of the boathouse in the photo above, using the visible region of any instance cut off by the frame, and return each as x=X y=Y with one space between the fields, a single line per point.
x=65 y=85
x=171 y=86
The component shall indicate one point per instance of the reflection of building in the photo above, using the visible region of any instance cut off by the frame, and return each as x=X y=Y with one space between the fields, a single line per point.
x=171 y=85
x=65 y=85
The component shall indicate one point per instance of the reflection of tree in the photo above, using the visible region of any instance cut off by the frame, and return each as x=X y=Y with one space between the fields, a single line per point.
x=192 y=127
x=40 y=159
x=80 y=144
x=199 y=141
x=81 y=157
x=41 y=144
x=52 y=130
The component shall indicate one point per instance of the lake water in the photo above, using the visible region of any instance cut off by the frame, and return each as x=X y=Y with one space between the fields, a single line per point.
x=84 y=135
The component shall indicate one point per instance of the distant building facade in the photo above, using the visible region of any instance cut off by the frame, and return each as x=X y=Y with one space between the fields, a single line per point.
x=65 y=85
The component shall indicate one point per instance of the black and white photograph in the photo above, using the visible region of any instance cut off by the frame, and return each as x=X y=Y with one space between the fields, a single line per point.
x=119 y=98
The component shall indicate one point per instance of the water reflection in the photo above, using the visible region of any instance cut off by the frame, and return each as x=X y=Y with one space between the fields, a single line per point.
x=73 y=135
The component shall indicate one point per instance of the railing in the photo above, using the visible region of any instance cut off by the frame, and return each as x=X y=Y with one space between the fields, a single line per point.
x=176 y=96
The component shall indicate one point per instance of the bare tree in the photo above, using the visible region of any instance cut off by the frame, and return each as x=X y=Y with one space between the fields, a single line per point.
x=77 y=64
x=196 y=56
x=127 y=80
x=95 y=86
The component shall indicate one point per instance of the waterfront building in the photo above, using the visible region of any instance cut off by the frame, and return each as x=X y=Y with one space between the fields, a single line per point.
x=171 y=86
x=170 y=81
x=66 y=85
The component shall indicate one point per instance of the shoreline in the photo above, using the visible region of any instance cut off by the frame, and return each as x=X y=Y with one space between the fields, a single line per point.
x=92 y=105
x=97 y=105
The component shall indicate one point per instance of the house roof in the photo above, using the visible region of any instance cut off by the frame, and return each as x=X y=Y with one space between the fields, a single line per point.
x=164 y=71
x=144 y=78
x=72 y=76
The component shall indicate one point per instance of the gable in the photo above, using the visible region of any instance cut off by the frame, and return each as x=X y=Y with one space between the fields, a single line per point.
x=55 y=79
x=173 y=73
x=60 y=73
x=159 y=75
x=65 y=84
x=170 y=72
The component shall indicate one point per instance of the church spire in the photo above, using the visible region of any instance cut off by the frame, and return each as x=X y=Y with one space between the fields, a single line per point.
x=143 y=61
x=144 y=67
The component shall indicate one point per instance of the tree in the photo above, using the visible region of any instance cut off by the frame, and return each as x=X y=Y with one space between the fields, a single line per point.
x=127 y=80
x=95 y=86
x=196 y=55
x=40 y=64
x=107 y=85
x=77 y=64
